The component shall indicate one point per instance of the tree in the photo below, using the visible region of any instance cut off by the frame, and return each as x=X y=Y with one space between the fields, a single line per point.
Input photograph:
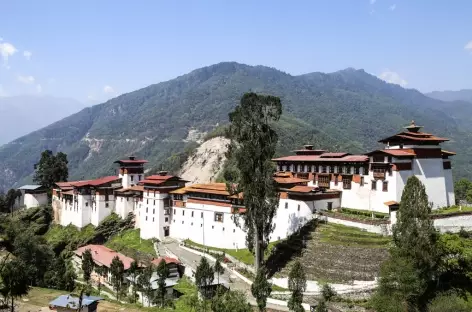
x=321 y=307
x=133 y=273
x=297 y=285
x=253 y=145
x=261 y=288
x=410 y=273
x=461 y=188
x=87 y=265
x=449 y=302
x=117 y=271
x=327 y=292
x=144 y=284
x=15 y=283
x=51 y=169
x=204 y=276
x=35 y=254
x=234 y=301
x=162 y=273
x=218 y=269
x=10 y=198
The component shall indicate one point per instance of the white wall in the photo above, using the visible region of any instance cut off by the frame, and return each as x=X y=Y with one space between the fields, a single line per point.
x=124 y=205
x=152 y=218
x=451 y=197
x=35 y=200
x=454 y=224
x=378 y=229
x=431 y=173
x=227 y=234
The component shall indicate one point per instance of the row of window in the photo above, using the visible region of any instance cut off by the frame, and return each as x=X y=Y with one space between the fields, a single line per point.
x=166 y=219
x=218 y=215
x=325 y=169
x=201 y=225
x=140 y=177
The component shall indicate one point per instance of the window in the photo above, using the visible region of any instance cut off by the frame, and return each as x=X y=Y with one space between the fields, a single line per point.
x=147 y=201
x=192 y=214
x=347 y=182
x=234 y=230
x=146 y=218
x=374 y=185
x=167 y=219
x=147 y=192
x=122 y=199
x=154 y=203
x=182 y=222
x=183 y=212
x=323 y=169
x=323 y=181
x=218 y=216
x=223 y=229
x=146 y=209
x=139 y=178
x=152 y=219
x=86 y=204
x=286 y=205
x=344 y=169
x=212 y=227
x=299 y=207
x=362 y=181
x=106 y=196
x=132 y=177
x=153 y=211
x=357 y=170
x=336 y=180
x=385 y=186
x=331 y=169
x=330 y=206
x=201 y=225
x=174 y=211
x=191 y=223
x=366 y=170
x=106 y=205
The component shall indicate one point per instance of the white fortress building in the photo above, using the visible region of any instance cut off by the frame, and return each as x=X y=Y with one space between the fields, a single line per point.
x=308 y=182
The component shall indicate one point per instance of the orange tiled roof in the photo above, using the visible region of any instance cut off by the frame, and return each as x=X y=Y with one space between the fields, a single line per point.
x=319 y=158
x=390 y=203
x=96 y=182
x=104 y=256
x=396 y=152
x=166 y=259
x=302 y=189
x=290 y=180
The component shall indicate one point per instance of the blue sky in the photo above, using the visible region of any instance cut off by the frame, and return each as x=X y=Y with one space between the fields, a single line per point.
x=94 y=50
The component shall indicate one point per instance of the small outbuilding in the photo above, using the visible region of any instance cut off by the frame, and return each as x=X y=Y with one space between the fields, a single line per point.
x=32 y=195
x=68 y=303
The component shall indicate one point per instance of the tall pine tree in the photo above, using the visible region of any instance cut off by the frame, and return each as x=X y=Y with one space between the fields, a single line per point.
x=408 y=277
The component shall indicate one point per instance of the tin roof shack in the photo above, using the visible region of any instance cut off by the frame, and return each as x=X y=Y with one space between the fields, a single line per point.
x=68 y=303
x=32 y=196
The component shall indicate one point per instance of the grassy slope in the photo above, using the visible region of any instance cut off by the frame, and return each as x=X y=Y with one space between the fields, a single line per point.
x=129 y=242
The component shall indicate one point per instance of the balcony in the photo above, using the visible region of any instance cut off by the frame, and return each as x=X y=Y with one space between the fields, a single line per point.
x=379 y=174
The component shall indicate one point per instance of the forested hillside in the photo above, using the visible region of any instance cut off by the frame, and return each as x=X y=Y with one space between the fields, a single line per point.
x=346 y=110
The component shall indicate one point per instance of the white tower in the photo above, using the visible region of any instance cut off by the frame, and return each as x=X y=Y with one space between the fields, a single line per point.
x=131 y=171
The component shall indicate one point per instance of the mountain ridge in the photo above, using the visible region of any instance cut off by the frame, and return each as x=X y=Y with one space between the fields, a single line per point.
x=345 y=110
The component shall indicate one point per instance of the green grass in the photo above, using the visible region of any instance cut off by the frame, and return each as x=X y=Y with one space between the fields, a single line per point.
x=128 y=242
x=243 y=255
x=348 y=236
x=58 y=233
x=362 y=215
x=452 y=210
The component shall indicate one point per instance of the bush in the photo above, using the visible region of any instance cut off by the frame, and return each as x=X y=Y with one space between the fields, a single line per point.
x=449 y=302
x=328 y=292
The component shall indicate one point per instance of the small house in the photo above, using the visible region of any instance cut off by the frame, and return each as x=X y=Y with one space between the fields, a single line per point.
x=32 y=196
x=68 y=303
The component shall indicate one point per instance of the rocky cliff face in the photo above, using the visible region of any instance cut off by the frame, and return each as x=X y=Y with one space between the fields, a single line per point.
x=204 y=165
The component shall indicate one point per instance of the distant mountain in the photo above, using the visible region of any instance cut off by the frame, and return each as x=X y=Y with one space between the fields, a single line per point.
x=24 y=114
x=346 y=110
x=449 y=96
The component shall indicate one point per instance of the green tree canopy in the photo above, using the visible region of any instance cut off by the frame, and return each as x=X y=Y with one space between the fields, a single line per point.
x=162 y=272
x=297 y=285
x=87 y=265
x=234 y=301
x=117 y=271
x=204 y=276
x=51 y=169
x=14 y=281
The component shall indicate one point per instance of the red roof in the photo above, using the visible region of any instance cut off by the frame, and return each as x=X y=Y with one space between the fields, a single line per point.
x=319 y=158
x=159 y=177
x=326 y=155
x=414 y=136
x=97 y=182
x=166 y=259
x=104 y=256
x=396 y=152
x=289 y=180
x=302 y=189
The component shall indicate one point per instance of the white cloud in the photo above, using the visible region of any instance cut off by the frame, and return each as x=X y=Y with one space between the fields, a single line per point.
x=393 y=77
x=392 y=7
x=468 y=46
x=7 y=50
x=373 y=1
x=91 y=97
x=108 y=89
x=27 y=54
x=39 y=89
x=25 y=79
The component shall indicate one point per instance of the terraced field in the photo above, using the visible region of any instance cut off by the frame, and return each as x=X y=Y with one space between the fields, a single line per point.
x=338 y=254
